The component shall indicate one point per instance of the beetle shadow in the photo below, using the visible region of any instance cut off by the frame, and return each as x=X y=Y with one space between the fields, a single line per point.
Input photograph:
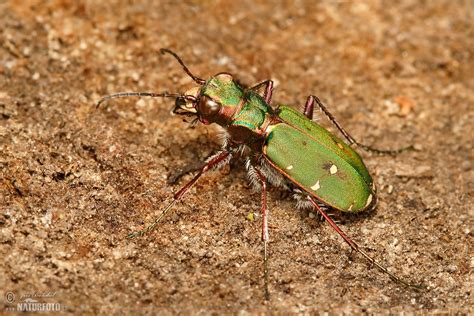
x=237 y=168
x=348 y=217
x=316 y=219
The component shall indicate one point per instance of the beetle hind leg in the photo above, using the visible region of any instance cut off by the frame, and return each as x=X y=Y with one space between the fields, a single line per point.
x=355 y=247
x=265 y=236
x=308 y=112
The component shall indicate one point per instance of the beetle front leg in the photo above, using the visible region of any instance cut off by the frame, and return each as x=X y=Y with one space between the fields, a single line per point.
x=264 y=211
x=214 y=162
x=308 y=111
x=267 y=94
x=190 y=168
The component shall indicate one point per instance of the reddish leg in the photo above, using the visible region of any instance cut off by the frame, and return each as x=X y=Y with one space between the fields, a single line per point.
x=267 y=95
x=356 y=247
x=308 y=111
x=309 y=107
x=264 y=210
x=213 y=162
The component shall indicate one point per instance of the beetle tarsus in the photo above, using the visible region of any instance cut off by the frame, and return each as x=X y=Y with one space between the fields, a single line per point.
x=265 y=267
x=135 y=234
x=213 y=162
x=382 y=151
x=265 y=236
x=152 y=226
x=356 y=247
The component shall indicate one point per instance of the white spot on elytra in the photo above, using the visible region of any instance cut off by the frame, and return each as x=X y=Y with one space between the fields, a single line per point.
x=289 y=167
x=369 y=200
x=350 y=207
x=340 y=146
x=316 y=186
x=333 y=169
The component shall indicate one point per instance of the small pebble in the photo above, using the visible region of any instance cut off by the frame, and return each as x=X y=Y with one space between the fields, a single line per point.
x=390 y=189
x=135 y=76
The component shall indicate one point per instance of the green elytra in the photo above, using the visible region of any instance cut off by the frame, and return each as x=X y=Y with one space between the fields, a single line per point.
x=327 y=170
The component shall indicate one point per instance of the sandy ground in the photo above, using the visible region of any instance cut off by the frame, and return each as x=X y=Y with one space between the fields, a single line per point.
x=76 y=180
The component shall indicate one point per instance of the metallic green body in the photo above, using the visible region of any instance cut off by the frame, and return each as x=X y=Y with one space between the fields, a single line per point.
x=330 y=141
x=304 y=152
x=223 y=89
x=247 y=108
x=253 y=112
x=318 y=162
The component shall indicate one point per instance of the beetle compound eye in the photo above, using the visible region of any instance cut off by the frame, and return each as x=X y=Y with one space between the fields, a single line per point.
x=208 y=107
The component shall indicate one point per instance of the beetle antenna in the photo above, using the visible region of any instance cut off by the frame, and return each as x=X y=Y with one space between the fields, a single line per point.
x=137 y=94
x=180 y=61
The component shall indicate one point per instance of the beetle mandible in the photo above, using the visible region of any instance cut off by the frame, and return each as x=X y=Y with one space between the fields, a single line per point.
x=283 y=147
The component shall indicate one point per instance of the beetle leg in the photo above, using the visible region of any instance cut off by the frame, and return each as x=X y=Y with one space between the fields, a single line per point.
x=267 y=95
x=308 y=111
x=356 y=247
x=192 y=167
x=264 y=210
x=195 y=166
x=309 y=107
x=214 y=162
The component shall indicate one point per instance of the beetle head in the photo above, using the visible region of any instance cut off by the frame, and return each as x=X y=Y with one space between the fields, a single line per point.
x=214 y=102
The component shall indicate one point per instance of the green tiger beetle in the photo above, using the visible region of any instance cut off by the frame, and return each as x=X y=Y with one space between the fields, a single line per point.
x=281 y=146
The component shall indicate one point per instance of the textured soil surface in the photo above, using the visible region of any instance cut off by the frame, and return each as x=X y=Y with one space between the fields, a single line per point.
x=75 y=180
